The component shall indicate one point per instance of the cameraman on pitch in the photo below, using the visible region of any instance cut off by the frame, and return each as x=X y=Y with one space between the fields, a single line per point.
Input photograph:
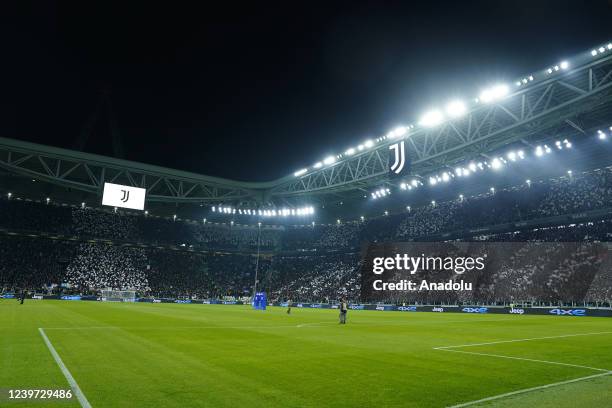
x=343 y=310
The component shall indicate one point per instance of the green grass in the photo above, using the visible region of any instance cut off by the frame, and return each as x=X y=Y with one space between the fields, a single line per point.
x=170 y=355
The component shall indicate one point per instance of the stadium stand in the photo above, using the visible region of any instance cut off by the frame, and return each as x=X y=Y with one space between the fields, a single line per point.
x=56 y=248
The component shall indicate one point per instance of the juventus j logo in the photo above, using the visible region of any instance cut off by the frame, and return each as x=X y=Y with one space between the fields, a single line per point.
x=400 y=157
x=126 y=195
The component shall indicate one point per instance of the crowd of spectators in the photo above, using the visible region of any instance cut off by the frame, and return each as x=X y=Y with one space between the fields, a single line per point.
x=108 y=266
x=165 y=257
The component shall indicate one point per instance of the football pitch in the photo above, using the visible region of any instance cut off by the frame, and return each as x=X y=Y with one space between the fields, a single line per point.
x=180 y=355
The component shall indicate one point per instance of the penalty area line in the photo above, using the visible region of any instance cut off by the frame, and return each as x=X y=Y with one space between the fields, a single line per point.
x=605 y=372
x=73 y=384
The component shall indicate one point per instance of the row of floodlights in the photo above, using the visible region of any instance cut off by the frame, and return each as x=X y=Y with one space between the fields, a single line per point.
x=495 y=163
x=383 y=192
x=601 y=50
x=281 y=212
x=453 y=110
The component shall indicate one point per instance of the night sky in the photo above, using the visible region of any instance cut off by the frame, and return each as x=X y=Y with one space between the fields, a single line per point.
x=257 y=92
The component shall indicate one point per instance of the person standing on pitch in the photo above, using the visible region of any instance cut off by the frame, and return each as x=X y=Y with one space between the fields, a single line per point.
x=289 y=306
x=22 y=297
x=343 y=311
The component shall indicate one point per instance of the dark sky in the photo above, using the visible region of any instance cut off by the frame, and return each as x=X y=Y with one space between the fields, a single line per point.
x=257 y=92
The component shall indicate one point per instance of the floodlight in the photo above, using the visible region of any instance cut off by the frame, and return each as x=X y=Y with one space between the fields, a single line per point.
x=433 y=202
x=456 y=109
x=317 y=165
x=433 y=181
x=403 y=186
x=398 y=131
x=368 y=143
x=213 y=209
x=492 y=189
x=431 y=118
x=472 y=166
x=594 y=52
x=496 y=164
x=459 y=171
x=511 y=156
x=360 y=147
x=499 y=91
x=329 y=160
x=494 y=93
x=300 y=172
x=609 y=46
x=569 y=172
x=445 y=177
x=538 y=151
x=564 y=65
x=414 y=183
x=350 y=152
x=601 y=49
x=521 y=154
x=602 y=135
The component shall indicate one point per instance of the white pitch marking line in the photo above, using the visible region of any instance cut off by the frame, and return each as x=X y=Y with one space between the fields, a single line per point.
x=73 y=384
x=526 y=359
x=523 y=391
x=606 y=372
x=519 y=340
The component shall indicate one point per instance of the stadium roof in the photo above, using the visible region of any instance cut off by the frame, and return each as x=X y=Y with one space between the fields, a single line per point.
x=573 y=95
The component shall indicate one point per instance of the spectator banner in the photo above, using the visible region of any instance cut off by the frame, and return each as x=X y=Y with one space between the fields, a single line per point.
x=462 y=272
x=117 y=195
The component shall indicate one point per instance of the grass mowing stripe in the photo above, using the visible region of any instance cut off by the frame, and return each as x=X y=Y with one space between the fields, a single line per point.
x=73 y=384
x=526 y=390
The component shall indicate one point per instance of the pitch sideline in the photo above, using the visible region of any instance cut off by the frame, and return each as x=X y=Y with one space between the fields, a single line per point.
x=73 y=384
